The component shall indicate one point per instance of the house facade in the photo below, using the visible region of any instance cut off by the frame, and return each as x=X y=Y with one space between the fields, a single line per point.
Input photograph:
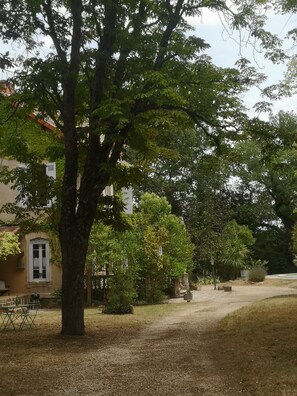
x=34 y=270
x=37 y=269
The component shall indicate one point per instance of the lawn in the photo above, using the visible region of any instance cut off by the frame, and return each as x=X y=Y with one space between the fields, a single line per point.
x=43 y=354
x=255 y=347
x=259 y=346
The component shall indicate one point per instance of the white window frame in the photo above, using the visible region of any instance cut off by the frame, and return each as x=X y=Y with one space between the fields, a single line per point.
x=108 y=191
x=43 y=264
x=127 y=198
x=50 y=170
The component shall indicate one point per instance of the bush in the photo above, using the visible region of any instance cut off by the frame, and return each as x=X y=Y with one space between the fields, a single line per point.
x=57 y=296
x=207 y=280
x=257 y=274
x=256 y=263
x=119 y=309
x=121 y=292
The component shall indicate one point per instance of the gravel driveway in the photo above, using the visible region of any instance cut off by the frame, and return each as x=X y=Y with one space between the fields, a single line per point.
x=171 y=356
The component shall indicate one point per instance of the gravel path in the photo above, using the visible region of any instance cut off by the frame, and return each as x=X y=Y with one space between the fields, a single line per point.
x=169 y=357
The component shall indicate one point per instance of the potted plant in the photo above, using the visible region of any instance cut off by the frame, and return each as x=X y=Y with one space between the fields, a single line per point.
x=188 y=296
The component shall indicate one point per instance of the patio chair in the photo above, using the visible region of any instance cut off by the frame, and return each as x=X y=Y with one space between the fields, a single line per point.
x=29 y=315
x=8 y=318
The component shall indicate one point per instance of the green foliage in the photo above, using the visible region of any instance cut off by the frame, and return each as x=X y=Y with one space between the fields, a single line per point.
x=237 y=241
x=111 y=248
x=294 y=239
x=264 y=196
x=156 y=249
x=252 y=263
x=272 y=246
x=294 y=244
x=9 y=245
x=163 y=250
x=57 y=296
x=118 y=309
x=32 y=147
x=105 y=246
x=207 y=280
x=257 y=274
x=154 y=208
x=121 y=292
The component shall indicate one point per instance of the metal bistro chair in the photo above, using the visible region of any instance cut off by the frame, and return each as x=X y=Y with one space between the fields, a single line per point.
x=30 y=313
x=7 y=318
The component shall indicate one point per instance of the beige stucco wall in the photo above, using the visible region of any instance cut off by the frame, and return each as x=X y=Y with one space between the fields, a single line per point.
x=7 y=194
x=18 y=278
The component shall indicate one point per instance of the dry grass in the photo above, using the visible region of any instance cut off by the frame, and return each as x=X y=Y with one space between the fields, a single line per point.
x=253 y=351
x=259 y=345
x=32 y=360
x=267 y=282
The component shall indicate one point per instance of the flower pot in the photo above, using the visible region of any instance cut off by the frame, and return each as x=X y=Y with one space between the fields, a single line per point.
x=188 y=296
x=244 y=274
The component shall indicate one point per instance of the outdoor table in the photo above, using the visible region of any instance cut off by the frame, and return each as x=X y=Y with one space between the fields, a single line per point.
x=18 y=317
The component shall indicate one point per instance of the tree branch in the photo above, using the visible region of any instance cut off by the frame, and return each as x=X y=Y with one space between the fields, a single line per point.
x=47 y=6
x=174 y=19
x=15 y=109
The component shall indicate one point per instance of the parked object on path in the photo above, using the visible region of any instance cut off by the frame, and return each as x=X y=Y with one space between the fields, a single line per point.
x=188 y=296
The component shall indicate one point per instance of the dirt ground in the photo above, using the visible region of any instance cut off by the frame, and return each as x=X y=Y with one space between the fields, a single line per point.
x=181 y=354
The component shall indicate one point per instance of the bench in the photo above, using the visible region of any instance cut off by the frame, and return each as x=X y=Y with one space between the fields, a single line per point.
x=3 y=288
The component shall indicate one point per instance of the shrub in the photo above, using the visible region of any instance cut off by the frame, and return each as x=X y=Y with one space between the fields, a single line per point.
x=57 y=296
x=256 y=263
x=257 y=274
x=119 y=309
x=207 y=280
x=121 y=292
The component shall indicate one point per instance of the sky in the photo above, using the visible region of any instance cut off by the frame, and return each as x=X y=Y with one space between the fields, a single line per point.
x=225 y=51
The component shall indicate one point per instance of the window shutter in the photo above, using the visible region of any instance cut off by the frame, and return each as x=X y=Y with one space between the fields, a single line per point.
x=127 y=197
x=51 y=170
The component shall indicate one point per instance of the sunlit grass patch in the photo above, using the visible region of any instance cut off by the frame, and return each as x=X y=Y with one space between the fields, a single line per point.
x=263 y=339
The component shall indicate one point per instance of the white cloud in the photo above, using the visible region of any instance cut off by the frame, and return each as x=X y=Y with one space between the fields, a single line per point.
x=208 y=18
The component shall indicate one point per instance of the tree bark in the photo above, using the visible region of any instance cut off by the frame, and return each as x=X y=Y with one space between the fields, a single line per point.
x=74 y=249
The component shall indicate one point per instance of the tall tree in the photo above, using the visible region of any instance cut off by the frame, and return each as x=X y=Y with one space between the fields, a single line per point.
x=265 y=162
x=116 y=73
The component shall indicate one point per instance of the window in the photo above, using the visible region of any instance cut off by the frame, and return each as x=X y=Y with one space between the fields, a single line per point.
x=127 y=197
x=39 y=260
x=51 y=169
x=38 y=194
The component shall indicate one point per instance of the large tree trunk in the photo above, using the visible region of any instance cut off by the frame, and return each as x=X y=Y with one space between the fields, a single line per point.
x=88 y=277
x=73 y=258
x=75 y=227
